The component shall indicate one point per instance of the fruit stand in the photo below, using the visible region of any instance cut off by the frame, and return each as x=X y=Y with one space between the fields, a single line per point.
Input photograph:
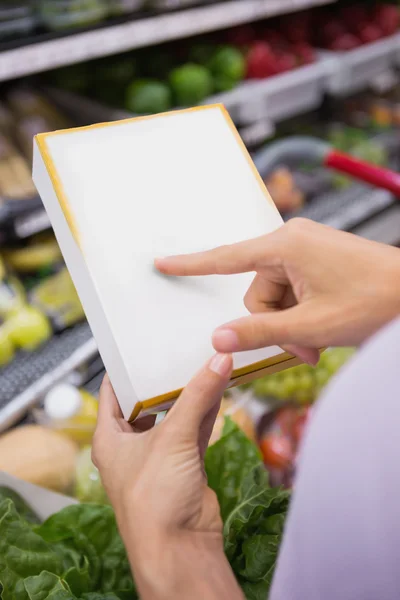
x=284 y=70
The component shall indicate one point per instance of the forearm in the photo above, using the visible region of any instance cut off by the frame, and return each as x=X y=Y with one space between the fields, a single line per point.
x=187 y=566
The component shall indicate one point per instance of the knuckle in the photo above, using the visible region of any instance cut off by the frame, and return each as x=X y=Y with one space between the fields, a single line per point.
x=298 y=226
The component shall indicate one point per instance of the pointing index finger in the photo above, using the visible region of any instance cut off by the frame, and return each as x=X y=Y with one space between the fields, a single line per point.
x=225 y=260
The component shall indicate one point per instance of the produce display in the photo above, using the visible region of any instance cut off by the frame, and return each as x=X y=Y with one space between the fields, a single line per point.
x=351 y=25
x=57 y=298
x=40 y=456
x=253 y=454
x=22 y=326
x=60 y=14
x=303 y=383
x=280 y=433
x=187 y=73
x=22 y=17
x=355 y=126
x=69 y=411
x=15 y=177
x=37 y=296
x=72 y=557
x=23 y=114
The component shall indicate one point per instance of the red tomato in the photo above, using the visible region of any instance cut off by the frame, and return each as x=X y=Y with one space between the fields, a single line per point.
x=277 y=451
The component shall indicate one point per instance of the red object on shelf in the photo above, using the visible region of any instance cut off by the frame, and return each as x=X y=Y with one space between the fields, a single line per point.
x=261 y=61
x=377 y=176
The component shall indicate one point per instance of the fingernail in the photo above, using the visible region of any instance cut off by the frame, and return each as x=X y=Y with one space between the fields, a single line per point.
x=310 y=358
x=106 y=379
x=225 y=340
x=221 y=364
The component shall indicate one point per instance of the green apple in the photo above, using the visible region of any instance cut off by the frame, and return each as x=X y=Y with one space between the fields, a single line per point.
x=6 y=347
x=28 y=328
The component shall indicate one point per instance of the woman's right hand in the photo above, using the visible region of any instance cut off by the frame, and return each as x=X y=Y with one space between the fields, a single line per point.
x=314 y=287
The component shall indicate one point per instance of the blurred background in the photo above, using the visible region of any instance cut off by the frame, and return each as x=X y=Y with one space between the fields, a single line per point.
x=282 y=68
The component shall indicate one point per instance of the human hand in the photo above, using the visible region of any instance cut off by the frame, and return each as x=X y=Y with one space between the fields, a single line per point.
x=315 y=287
x=154 y=477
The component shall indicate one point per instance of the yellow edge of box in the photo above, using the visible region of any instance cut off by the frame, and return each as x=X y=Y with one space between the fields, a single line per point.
x=41 y=140
x=239 y=376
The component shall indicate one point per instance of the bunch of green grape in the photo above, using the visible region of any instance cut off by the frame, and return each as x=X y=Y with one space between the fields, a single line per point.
x=302 y=383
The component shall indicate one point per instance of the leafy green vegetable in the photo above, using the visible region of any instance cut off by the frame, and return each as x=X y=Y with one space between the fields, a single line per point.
x=78 y=551
x=77 y=554
x=90 y=530
x=227 y=462
x=21 y=507
x=23 y=553
x=252 y=511
x=47 y=586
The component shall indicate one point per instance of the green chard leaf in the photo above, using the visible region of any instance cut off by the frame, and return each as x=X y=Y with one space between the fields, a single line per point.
x=89 y=530
x=23 y=553
x=47 y=586
x=227 y=462
x=21 y=506
x=257 y=591
x=252 y=511
x=260 y=553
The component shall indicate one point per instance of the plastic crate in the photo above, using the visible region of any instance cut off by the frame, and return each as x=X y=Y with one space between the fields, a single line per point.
x=355 y=70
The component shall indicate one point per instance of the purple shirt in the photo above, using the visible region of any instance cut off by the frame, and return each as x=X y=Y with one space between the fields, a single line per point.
x=342 y=539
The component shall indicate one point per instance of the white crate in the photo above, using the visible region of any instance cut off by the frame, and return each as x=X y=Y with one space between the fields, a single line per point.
x=355 y=70
x=397 y=49
x=277 y=98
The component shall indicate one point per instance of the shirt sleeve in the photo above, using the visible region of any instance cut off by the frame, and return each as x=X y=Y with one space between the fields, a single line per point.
x=342 y=537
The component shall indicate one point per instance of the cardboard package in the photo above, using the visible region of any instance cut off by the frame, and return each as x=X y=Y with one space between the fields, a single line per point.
x=119 y=195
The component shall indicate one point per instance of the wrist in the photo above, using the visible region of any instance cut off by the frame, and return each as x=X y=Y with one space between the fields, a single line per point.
x=180 y=565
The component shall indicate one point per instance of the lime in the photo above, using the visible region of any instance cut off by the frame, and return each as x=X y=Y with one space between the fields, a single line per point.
x=148 y=97
x=191 y=84
x=228 y=64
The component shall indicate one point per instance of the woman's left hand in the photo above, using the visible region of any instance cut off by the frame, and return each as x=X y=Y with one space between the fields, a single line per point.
x=167 y=515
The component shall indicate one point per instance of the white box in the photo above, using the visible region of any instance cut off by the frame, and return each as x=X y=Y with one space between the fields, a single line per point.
x=119 y=195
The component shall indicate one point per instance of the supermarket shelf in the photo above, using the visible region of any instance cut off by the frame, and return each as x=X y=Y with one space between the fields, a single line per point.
x=277 y=98
x=138 y=33
x=358 y=69
x=397 y=50
x=273 y=99
x=31 y=375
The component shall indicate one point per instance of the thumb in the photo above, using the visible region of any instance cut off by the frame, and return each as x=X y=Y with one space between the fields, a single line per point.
x=301 y=325
x=200 y=395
